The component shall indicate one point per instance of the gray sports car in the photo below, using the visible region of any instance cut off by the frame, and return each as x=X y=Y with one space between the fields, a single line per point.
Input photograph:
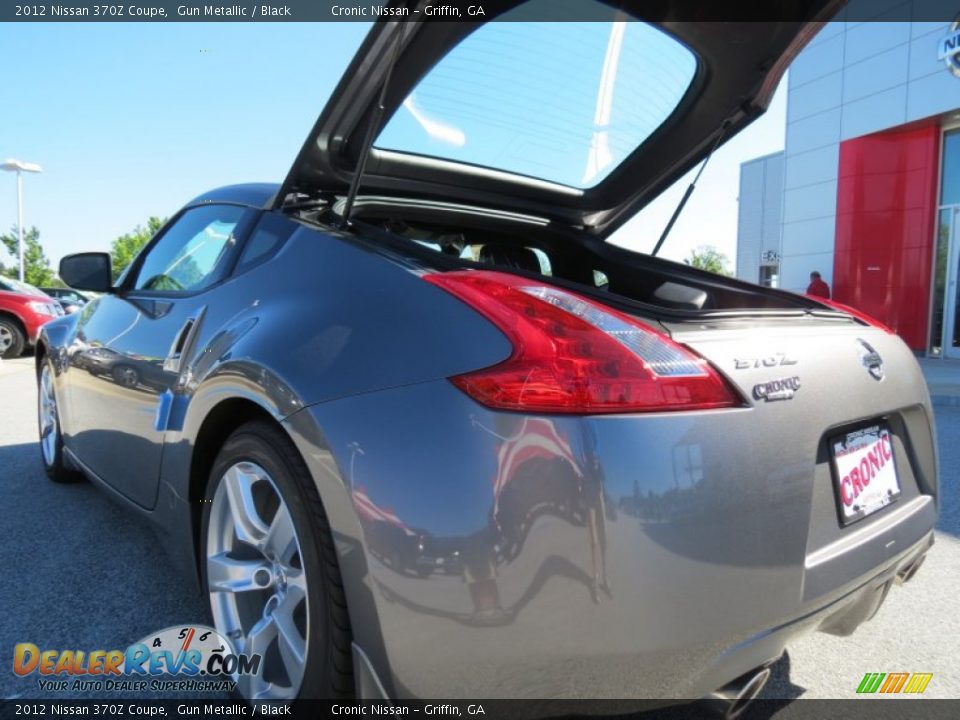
x=419 y=431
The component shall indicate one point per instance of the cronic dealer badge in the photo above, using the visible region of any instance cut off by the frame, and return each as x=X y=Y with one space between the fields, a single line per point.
x=779 y=389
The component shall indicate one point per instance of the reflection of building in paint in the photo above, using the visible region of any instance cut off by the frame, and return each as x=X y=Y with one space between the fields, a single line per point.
x=687 y=465
x=540 y=472
x=536 y=438
x=388 y=537
x=371 y=512
x=406 y=550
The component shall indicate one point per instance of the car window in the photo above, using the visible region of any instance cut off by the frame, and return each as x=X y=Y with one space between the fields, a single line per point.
x=11 y=285
x=566 y=102
x=265 y=240
x=192 y=254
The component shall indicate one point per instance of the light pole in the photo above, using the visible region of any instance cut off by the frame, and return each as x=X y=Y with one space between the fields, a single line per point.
x=20 y=167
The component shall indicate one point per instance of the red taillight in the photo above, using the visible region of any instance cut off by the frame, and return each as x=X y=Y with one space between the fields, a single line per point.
x=862 y=316
x=571 y=355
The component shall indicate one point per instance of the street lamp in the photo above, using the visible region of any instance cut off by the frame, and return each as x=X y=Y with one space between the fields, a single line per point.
x=20 y=167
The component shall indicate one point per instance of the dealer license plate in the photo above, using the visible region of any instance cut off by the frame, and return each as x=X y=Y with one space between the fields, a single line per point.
x=864 y=472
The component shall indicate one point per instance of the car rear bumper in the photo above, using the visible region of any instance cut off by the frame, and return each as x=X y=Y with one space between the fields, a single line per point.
x=838 y=616
x=655 y=556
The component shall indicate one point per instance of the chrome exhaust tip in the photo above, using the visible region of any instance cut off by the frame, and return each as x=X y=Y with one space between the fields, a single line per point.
x=906 y=575
x=732 y=699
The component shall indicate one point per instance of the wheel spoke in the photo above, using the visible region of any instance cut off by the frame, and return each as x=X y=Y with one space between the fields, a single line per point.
x=248 y=524
x=281 y=540
x=253 y=686
x=226 y=574
x=260 y=636
x=293 y=646
x=296 y=582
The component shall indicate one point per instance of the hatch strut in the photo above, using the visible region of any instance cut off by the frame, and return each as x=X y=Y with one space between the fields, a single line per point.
x=690 y=189
x=375 y=120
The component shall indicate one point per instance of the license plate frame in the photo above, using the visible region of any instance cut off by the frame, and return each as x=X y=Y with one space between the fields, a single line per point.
x=867 y=447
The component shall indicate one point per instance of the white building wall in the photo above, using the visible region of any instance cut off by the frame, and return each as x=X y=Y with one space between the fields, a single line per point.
x=854 y=78
x=758 y=216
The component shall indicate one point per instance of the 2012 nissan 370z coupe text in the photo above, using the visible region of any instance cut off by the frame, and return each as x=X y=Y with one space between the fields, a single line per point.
x=419 y=431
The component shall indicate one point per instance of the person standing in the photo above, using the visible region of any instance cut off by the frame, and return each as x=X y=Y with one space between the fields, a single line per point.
x=817 y=286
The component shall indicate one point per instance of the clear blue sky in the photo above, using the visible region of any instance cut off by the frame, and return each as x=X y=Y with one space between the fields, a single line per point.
x=132 y=120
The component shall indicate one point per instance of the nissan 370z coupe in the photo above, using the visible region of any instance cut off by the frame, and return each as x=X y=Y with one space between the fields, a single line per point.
x=419 y=431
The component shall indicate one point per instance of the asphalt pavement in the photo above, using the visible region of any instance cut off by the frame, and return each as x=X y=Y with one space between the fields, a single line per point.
x=82 y=572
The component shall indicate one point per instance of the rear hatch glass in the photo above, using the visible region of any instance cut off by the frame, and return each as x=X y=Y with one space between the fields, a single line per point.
x=562 y=102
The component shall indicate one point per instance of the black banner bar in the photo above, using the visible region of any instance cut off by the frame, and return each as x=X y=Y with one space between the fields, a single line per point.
x=854 y=709
x=454 y=11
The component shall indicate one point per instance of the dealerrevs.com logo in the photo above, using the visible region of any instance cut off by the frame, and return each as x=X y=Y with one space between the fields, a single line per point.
x=205 y=658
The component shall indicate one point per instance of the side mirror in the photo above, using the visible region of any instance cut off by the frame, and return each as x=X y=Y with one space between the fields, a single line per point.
x=87 y=271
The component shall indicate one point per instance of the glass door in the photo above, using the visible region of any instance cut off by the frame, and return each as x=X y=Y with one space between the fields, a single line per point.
x=951 y=307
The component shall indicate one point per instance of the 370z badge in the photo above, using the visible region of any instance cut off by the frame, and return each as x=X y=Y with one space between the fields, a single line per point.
x=780 y=389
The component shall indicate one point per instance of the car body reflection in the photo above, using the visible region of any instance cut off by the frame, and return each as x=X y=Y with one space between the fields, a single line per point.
x=538 y=475
x=126 y=369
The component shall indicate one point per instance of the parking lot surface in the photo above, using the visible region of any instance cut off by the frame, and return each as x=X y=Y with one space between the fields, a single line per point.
x=82 y=572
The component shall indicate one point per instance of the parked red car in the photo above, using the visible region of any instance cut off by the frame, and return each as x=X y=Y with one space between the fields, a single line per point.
x=23 y=310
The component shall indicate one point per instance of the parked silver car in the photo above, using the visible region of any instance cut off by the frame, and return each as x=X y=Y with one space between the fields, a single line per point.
x=420 y=432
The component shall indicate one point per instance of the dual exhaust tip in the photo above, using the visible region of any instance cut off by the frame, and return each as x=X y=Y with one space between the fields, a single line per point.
x=732 y=699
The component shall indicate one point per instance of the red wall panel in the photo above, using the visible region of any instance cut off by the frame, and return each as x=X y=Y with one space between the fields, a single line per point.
x=886 y=209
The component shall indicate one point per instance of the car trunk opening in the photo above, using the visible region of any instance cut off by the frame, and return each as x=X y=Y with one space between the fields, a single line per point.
x=447 y=237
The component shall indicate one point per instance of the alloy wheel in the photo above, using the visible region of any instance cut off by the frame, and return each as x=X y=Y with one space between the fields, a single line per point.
x=127 y=376
x=49 y=426
x=6 y=339
x=256 y=580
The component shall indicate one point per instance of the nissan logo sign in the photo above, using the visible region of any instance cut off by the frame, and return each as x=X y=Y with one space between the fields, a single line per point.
x=949 y=48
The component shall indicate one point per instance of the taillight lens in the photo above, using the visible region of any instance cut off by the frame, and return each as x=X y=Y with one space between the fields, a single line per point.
x=862 y=316
x=571 y=355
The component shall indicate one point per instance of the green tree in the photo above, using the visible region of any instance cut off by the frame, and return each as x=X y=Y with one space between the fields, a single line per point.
x=36 y=266
x=126 y=247
x=707 y=257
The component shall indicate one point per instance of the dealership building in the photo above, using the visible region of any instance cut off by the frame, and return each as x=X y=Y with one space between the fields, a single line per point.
x=867 y=188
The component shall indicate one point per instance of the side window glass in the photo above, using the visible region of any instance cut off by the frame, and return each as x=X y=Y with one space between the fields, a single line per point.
x=192 y=254
x=265 y=240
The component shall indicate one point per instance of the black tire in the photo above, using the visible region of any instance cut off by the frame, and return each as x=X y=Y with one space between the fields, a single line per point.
x=126 y=375
x=11 y=332
x=56 y=469
x=329 y=669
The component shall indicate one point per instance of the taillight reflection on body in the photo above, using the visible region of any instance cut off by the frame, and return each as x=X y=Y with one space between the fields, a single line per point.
x=572 y=355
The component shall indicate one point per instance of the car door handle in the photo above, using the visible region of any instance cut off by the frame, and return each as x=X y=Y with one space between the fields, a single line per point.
x=180 y=344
